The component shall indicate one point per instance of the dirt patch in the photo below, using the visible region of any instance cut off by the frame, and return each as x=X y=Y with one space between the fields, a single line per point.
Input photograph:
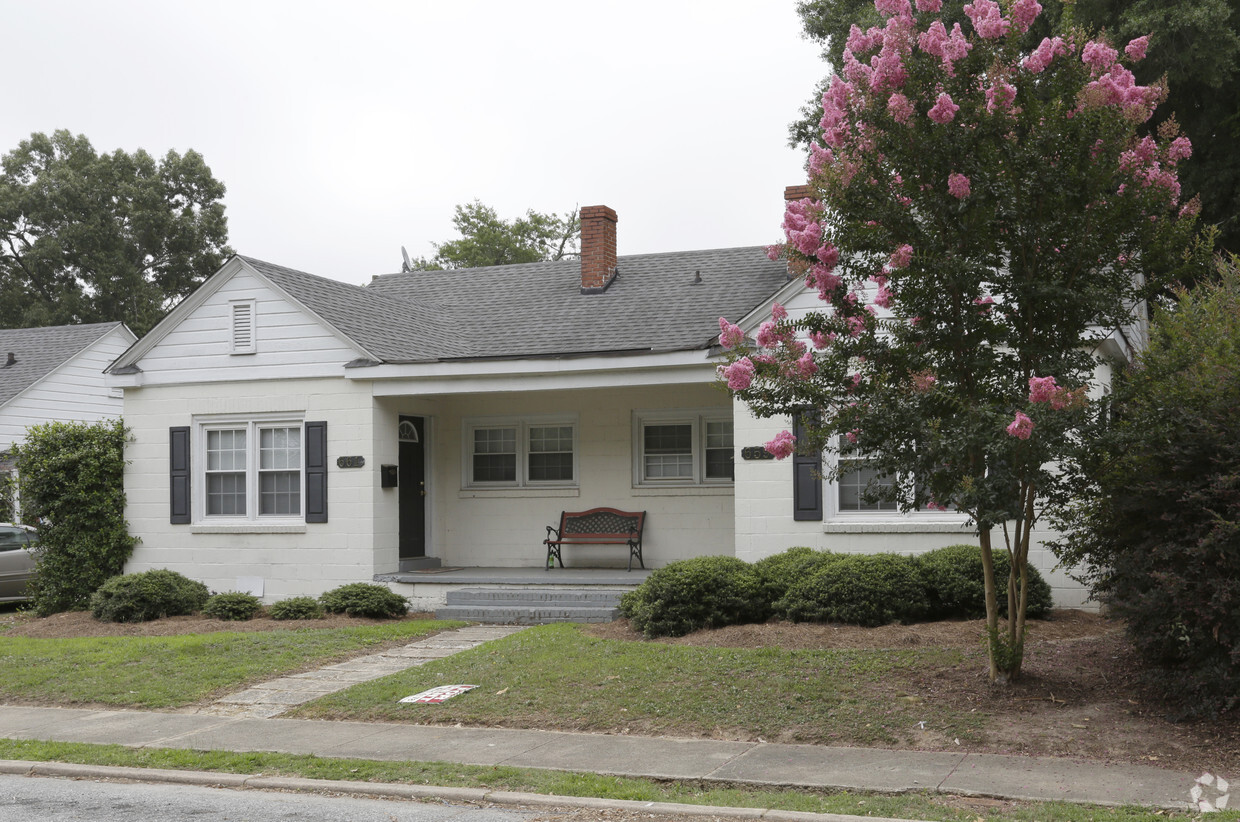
x=81 y=623
x=1080 y=693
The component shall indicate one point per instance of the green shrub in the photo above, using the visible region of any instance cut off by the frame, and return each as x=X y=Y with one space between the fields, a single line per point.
x=778 y=572
x=957 y=586
x=861 y=589
x=69 y=477
x=1157 y=529
x=365 y=599
x=146 y=596
x=296 y=608
x=703 y=592
x=232 y=605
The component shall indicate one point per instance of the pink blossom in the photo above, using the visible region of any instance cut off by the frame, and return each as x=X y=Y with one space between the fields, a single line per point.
x=820 y=340
x=894 y=8
x=856 y=382
x=1046 y=51
x=999 y=95
x=1181 y=148
x=924 y=381
x=858 y=73
x=730 y=335
x=768 y=337
x=988 y=19
x=1024 y=12
x=930 y=6
x=806 y=366
x=944 y=110
x=819 y=158
x=1042 y=389
x=987 y=302
x=935 y=506
x=855 y=326
x=773 y=251
x=1136 y=48
x=900 y=107
x=901 y=257
x=778 y=312
x=1021 y=427
x=851 y=436
x=958 y=185
x=1192 y=208
x=801 y=225
x=739 y=374
x=834 y=122
x=782 y=446
x=860 y=42
x=824 y=279
x=889 y=71
x=828 y=255
x=883 y=298
x=1098 y=56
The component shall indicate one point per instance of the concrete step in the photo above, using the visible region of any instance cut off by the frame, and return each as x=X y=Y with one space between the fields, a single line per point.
x=535 y=596
x=531 y=606
x=530 y=615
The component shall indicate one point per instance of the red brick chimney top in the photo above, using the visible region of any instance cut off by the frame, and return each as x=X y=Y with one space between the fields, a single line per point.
x=598 y=248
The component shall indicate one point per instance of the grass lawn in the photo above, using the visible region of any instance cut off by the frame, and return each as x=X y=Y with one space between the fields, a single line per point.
x=565 y=783
x=555 y=676
x=171 y=671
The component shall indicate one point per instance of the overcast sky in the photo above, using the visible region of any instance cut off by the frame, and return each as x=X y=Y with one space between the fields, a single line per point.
x=346 y=130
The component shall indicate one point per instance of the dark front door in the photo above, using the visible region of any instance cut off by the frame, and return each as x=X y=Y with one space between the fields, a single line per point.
x=412 y=432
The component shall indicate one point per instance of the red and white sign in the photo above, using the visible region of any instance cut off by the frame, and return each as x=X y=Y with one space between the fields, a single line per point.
x=436 y=695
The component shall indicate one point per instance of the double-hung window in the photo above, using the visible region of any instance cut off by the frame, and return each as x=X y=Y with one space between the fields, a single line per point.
x=683 y=448
x=252 y=469
x=520 y=452
x=861 y=492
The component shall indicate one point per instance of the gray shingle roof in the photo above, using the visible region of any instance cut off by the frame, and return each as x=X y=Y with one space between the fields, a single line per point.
x=537 y=309
x=40 y=351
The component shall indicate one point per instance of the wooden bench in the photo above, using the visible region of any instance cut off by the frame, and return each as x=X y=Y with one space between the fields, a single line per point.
x=598 y=526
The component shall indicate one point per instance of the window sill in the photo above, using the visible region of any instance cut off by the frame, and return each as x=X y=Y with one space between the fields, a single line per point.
x=503 y=493
x=684 y=491
x=248 y=528
x=902 y=526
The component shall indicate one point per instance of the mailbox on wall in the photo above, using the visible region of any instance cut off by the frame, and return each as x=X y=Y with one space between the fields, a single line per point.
x=389 y=476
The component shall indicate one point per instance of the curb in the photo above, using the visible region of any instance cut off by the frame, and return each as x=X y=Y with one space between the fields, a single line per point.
x=379 y=790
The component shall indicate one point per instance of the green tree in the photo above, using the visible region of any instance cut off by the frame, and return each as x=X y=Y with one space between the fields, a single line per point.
x=1156 y=529
x=88 y=237
x=979 y=221
x=486 y=239
x=70 y=477
x=1195 y=47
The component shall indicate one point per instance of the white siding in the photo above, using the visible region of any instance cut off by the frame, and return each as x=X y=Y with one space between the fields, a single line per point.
x=74 y=392
x=286 y=338
x=320 y=557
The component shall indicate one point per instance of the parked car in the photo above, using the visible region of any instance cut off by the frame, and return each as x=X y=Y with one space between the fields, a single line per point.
x=16 y=560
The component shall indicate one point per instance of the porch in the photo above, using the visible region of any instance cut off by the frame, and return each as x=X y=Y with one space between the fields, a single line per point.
x=516 y=595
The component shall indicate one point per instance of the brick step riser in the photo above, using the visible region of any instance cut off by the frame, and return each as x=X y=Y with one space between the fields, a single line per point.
x=544 y=598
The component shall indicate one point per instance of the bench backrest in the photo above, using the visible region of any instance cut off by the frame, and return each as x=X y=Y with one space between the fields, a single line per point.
x=602 y=522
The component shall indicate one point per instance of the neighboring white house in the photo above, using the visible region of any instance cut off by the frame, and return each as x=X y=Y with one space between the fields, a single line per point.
x=272 y=412
x=56 y=375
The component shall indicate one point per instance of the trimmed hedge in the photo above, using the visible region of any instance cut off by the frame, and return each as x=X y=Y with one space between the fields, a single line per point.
x=957 y=585
x=861 y=589
x=779 y=572
x=365 y=599
x=296 y=608
x=232 y=605
x=686 y=596
x=147 y=595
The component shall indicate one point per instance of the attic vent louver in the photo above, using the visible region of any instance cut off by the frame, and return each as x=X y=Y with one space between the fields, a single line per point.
x=242 y=338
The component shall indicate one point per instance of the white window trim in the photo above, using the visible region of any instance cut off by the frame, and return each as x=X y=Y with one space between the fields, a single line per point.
x=251 y=422
x=522 y=424
x=832 y=515
x=697 y=419
x=251 y=312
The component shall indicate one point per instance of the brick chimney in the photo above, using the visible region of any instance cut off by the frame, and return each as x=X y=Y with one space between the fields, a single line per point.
x=797 y=193
x=598 y=248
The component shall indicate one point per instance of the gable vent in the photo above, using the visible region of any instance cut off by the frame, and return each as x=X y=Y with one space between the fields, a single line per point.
x=242 y=338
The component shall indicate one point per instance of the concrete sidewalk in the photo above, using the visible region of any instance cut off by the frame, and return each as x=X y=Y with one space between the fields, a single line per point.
x=754 y=763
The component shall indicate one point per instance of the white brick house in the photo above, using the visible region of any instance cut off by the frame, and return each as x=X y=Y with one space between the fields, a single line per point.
x=304 y=432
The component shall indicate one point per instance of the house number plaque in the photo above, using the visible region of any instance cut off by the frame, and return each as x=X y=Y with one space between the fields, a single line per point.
x=350 y=462
x=756 y=452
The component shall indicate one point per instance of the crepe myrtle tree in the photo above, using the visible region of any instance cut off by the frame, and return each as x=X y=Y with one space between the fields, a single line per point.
x=981 y=217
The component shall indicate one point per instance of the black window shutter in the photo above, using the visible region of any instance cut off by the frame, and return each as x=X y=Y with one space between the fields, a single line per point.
x=806 y=479
x=316 y=472
x=178 y=472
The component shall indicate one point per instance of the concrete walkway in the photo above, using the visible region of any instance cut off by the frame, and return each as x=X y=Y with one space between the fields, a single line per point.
x=755 y=763
x=276 y=696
